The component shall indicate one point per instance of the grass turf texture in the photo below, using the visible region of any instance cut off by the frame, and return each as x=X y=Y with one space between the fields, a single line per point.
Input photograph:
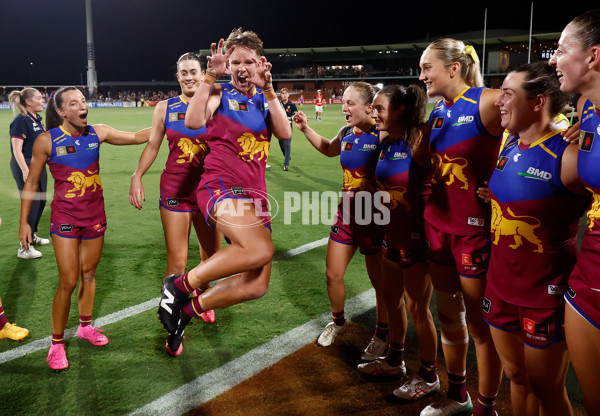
x=134 y=369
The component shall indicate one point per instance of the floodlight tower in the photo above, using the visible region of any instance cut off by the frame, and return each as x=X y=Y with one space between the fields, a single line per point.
x=92 y=79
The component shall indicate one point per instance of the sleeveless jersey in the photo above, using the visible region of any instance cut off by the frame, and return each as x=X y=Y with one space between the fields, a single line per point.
x=406 y=182
x=358 y=158
x=588 y=161
x=187 y=150
x=589 y=156
x=463 y=155
x=74 y=165
x=239 y=140
x=534 y=224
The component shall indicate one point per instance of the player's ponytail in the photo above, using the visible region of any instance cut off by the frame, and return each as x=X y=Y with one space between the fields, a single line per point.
x=414 y=100
x=450 y=50
x=17 y=100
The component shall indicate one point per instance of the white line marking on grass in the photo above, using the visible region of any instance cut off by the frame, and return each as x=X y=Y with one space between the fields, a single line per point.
x=209 y=386
x=44 y=343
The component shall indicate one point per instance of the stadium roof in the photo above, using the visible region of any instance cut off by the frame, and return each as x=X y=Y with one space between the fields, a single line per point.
x=497 y=38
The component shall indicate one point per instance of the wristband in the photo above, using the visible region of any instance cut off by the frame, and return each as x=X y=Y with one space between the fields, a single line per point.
x=270 y=94
x=209 y=78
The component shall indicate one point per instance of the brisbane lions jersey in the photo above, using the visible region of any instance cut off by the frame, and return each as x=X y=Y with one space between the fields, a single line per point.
x=358 y=157
x=534 y=223
x=464 y=155
x=74 y=165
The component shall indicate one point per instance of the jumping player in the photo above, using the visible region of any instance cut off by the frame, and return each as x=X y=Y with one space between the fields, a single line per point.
x=243 y=115
x=404 y=173
x=357 y=144
x=181 y=176
x=465 y=139
x=577 y=61
x=535 y=218
x=77 y=222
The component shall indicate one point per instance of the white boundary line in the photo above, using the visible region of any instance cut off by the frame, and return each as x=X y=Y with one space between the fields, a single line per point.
x=112 y=318
x=209 y=386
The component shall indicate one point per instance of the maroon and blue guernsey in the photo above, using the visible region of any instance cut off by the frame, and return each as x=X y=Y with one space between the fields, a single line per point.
x=534 y=224
x=584 y=282
x=358 y=157
x=408 y=185
x=74 y=165
x=187 y=150
x=464 y=155
x=239 y=140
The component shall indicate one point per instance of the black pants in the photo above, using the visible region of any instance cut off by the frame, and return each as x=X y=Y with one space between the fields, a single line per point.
x=40 y=202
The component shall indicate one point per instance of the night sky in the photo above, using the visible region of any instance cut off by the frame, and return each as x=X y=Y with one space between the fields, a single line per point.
x=44 y=42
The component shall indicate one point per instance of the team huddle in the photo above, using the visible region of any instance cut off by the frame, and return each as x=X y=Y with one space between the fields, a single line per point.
x=484 y=203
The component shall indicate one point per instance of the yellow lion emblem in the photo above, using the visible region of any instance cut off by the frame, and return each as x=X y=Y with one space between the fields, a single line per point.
x=514 y=227
x=353 y=183
x=396 y=194
x=450 y=168
x=190 y=149
x=81 y=182
x=252 y=147
x=594 y=211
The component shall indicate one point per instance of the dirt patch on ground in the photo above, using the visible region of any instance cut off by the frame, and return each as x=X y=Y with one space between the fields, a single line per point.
x=324 y=381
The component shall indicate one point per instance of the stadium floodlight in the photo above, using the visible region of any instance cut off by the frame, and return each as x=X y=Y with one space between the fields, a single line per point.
x=92 y=79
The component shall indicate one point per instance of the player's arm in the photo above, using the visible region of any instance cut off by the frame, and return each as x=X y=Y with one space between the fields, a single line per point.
x=203 y=104
x=489 y=113
x=329 y=148
x=157 y=134
x=568 y=170
x=120 y=138
x=207 y=98
x=42 y=148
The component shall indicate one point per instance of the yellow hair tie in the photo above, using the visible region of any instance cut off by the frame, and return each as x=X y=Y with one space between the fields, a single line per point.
x=470 y=50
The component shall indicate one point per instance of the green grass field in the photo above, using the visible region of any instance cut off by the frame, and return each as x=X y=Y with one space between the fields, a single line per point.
x=133 y=369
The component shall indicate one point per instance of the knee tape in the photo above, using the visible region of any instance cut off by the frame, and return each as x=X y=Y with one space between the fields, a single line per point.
x=452 y=314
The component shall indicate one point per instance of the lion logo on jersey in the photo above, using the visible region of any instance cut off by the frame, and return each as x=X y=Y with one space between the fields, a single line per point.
x=451 y=168
x=353 y=182
x=252 y=147
x=514 y=227
x=594 y=211
x=396 y=194
x=81 y=182
x=190 y=149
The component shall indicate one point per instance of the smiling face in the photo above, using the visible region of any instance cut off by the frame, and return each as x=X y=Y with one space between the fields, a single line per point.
x=516 y=110
x=243 y=65
x=73 y=109
x=35 y=104
x=434 y=73
x=385 y=116
x=570 y=61
x=354 y=108
x=189 y=75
